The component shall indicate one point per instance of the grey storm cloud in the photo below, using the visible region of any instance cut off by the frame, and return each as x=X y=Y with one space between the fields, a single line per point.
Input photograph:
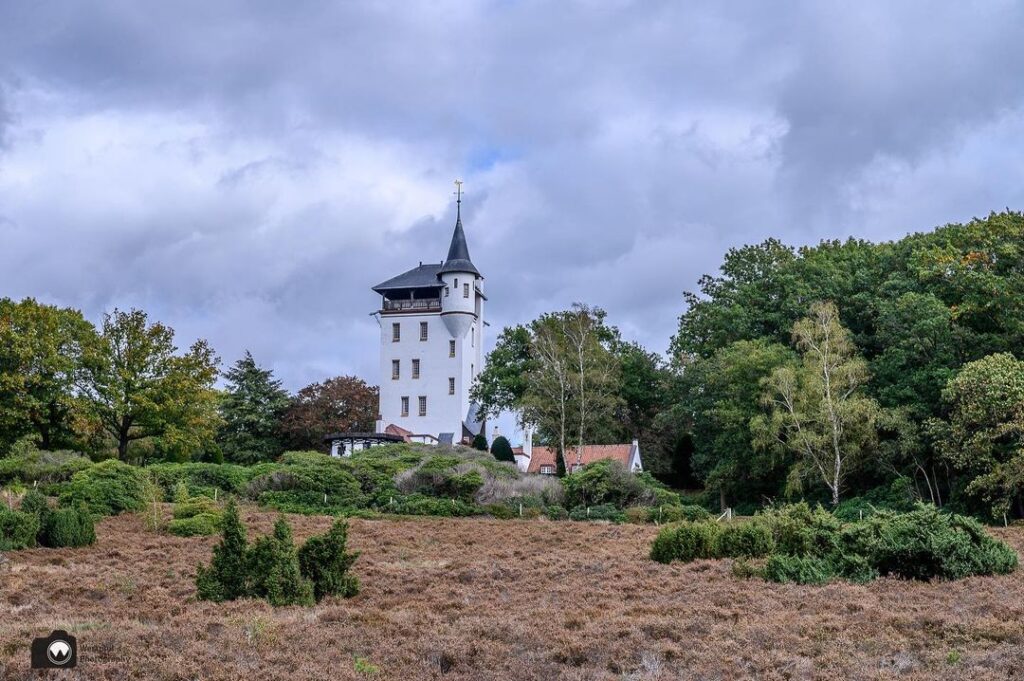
x=246 y=171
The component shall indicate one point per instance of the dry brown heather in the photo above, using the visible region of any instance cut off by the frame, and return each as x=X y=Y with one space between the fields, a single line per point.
x=482 y=599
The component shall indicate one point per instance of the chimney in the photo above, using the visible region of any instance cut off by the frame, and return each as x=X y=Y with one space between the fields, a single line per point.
x=528 y=441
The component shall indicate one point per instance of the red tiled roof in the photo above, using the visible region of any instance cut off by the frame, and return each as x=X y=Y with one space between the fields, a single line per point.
x=392 y=429
x=545 y=456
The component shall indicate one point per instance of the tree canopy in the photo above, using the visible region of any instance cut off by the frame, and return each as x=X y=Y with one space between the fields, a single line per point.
x=251 y=408
x=340 y=404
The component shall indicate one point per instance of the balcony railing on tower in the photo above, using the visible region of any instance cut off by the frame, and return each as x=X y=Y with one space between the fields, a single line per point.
x=418 y=304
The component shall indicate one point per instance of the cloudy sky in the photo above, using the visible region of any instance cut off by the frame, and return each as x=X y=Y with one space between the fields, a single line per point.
x=247 y=171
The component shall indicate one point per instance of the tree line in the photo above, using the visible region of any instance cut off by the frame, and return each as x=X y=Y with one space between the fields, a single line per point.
x=846 y=369
x=125 y=389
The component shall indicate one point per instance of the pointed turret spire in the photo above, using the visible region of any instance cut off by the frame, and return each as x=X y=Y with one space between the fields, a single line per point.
x=458 y=252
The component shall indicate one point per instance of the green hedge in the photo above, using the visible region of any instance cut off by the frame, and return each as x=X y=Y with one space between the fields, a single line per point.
x=68 y=527
x=750 y=539
x=32 y=466
x=811 y=546
x=18 y=530
x=199 y=525
x=107 y=488
x=685 y=541
x=600 y=512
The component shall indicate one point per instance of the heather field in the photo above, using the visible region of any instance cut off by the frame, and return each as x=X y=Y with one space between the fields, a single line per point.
x=489 y=599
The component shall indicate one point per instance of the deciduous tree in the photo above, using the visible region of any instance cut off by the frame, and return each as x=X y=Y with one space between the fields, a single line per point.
x=983 y=435
x=139 y=387
x=42 y=350
x=341 y=404
x=818 y=410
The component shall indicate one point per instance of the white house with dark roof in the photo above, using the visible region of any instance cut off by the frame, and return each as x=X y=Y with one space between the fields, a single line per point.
x=431 y=347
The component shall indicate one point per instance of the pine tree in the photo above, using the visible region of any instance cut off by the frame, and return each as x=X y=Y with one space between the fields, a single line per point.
x=502 y=450
x=324 y=560
x=274 y=569
x=252 y=408
x=225 y=578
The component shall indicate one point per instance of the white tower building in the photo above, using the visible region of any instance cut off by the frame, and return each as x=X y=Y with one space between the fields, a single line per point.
x=431 y=349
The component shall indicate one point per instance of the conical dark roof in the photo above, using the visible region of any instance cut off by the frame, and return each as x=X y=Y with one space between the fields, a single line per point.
x=458 y=253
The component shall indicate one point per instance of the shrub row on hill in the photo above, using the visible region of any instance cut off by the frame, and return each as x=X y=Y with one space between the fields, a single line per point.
x=37 y=524
x=813 y=546
x=399 y=479
x=272 y=569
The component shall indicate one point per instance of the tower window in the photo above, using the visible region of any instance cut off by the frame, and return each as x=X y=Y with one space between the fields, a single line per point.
x=395 y=369
x=465 y=290
x=415 y=368
x=456 y=282
x=405 y=406
x=423 y=331
x=451 y=348
x=472 y=338
x=396 y=332
x=447 y=290
x=451 y=385
x=423 y=405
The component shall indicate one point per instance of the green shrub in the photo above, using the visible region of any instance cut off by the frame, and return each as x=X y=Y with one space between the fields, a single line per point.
x=193 y=507
x=198 y=525
x=900 y=495
x=107 y=488
x=798 y=569
x=685 y=541
x=201 y=479
x=306 y=503
x=226 y=577
x=609 y=482
x=311 y=473
x=273 y=569
x=181 y=495
x=748 y=539
x=324 y=561
x=675 y=513
x=637 y=515
x=927 y=543
x=417 y=504
x=480 y=442
x=36 y=503
x=68 y=527
x=556 y=513
x=799 y=530
x=502 y=450
x=18 y=530
x=501 y=511
x=601 y=512
x=854 y=567
x=30 y=465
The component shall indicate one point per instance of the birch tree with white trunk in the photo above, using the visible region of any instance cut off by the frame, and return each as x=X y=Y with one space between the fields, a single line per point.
x=817 y=408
